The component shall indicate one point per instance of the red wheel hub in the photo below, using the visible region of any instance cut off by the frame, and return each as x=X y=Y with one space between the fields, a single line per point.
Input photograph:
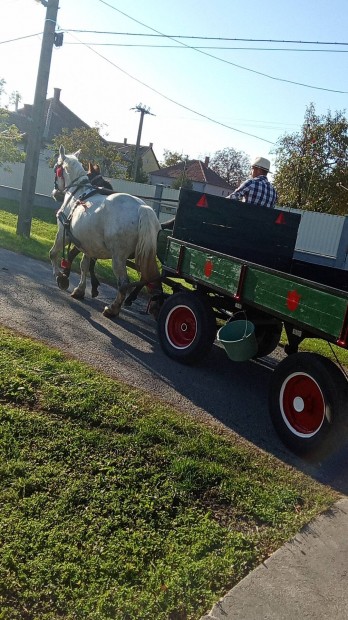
x=302 y=404
x=181 y=327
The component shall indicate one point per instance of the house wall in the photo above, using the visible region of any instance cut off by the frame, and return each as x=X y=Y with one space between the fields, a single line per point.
x=149 y=162
x=196 y=185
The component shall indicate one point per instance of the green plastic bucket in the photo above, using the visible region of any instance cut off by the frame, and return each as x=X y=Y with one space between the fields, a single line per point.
x=239 y=340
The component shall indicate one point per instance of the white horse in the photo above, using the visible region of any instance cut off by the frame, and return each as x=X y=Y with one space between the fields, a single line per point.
x=117 y=226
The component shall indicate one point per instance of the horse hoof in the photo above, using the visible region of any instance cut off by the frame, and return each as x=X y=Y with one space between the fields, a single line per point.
x=62 y=281
x=107 y=312
x=77 y=294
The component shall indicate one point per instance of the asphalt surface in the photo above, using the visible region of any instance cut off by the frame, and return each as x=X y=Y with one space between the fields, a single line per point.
x=231 y=395
x=307 y=577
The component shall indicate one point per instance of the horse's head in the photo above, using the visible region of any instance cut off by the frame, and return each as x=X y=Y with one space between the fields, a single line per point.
x=93 y=171
x=73 y=173
x=59 y=184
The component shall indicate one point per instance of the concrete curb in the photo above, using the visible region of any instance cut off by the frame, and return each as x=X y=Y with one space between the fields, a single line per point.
x=307 y=578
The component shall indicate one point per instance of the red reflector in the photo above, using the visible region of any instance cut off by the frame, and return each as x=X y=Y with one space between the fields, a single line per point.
x=280 y=219
x=202 y=201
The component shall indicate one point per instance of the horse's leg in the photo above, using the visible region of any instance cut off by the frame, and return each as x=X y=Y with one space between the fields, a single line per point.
x=133 y=295
x=56 y=249
x=94 y=280
x=120 y=271
x=79 y=291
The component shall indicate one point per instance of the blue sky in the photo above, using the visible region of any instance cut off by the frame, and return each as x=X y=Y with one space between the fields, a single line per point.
x=103 y=82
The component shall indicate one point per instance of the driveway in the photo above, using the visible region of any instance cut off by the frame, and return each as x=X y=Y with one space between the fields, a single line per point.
x=231 y=396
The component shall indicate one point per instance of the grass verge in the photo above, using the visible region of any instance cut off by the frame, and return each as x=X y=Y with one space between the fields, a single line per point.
x=115 y=506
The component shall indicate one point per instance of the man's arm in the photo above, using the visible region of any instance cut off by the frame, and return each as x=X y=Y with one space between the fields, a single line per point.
x=241 y=191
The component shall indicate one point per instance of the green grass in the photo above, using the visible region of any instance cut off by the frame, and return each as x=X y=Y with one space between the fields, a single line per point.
x=43 y=232
x=115 y=506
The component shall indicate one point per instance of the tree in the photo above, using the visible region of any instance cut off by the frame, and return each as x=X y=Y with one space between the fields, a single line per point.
x=10 y=136
x=141 y=176
x=231 y=165
x=182 y=181
x=171 y=158
x=93 y=148
x=312 y=165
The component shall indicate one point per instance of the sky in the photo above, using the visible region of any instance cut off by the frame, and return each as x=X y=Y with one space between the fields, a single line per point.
x=201 y=96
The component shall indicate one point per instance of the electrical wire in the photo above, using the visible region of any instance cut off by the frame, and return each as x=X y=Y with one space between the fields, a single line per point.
x=181 y=36
x=212 y=47
x=28 y=36
x=331 y=90
x=181 y=105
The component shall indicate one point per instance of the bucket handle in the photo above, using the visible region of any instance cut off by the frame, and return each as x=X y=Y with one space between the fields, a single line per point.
x=230 y=320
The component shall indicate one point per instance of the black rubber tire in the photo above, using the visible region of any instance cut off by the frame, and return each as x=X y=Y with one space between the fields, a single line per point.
x=186 y=327
x=306 y=397
x=267 y=338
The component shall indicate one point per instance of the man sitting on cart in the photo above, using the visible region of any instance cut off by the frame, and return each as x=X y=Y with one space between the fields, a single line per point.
x=258 y=190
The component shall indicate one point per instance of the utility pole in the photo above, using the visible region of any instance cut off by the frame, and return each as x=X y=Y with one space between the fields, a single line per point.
x=143 y=110
x=37 y=125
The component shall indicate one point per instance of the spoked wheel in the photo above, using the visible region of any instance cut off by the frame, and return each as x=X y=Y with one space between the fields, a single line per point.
x=305 y=397
x=186 y=327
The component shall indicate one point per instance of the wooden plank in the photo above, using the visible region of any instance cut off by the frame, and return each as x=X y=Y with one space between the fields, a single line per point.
x=257 y=234
x=304 y=303
x=216 y=271
x=316 y=308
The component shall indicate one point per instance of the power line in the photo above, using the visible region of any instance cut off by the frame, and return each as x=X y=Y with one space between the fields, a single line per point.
x=342 y=92
x=213 y=47
x=181 y=36
x=210 y=47
x=28 y=36
x=181 y=105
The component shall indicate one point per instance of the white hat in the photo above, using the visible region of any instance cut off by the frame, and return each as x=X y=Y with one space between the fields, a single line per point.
x=261 y=162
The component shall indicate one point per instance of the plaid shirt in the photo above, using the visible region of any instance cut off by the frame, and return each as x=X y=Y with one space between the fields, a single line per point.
x=258 y=191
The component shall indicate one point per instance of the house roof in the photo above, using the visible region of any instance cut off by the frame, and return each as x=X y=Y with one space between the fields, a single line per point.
x=195 y=170
x=127 y=150
x=57 y=117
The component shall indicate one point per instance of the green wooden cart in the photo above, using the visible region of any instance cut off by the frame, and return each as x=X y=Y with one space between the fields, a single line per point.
x=229 y=262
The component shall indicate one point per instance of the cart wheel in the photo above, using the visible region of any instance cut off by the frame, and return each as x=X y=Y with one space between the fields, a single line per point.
x=186 y=327
x=267 y=338
x=305 y=397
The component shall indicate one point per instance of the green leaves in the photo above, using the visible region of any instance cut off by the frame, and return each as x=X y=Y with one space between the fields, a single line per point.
x=311 y=164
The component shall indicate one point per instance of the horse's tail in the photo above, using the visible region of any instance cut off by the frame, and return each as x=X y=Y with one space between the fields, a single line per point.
x=146 y=249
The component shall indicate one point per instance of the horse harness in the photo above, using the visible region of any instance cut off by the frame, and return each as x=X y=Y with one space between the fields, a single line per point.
x=66 y=221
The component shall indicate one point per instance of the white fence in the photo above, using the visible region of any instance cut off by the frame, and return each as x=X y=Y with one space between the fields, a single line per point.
x=163 y=200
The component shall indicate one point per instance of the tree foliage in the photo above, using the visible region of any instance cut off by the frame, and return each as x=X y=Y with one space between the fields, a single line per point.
x=171 y=158
x=141 y=176
x=231 y=165
x=93 y=148
x=182 y=182
x=312 y=165
x=10 y=137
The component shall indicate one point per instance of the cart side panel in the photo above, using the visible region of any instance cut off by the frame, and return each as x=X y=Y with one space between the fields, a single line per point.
x=313 y=307
x=256 y=234
x=217 y=271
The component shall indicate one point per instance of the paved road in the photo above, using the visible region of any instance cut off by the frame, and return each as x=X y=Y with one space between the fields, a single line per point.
x=218 y=391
